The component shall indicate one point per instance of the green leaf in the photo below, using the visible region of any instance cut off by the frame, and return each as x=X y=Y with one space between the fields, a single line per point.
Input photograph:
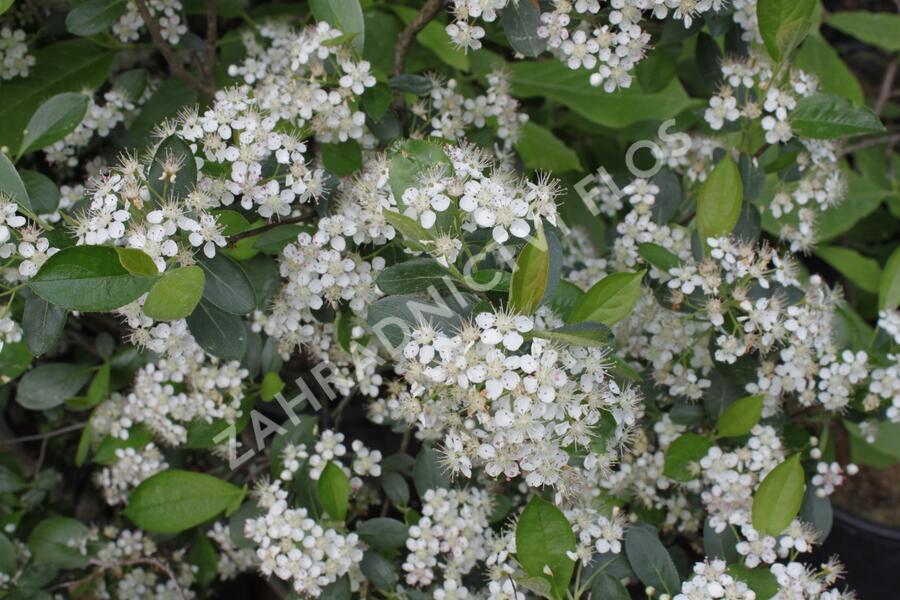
x=343 y=158
x=274 y=240
x=137 y=262
x=53 y=120
x=271 y=385
x=11 y=184
x=42 y=324
x=861 y=271
x=14 y=360
x=42 y=192
x=56 y=541
x=220 y=333
x=131 y=83
x=383 y=533
x=740 y=416
x=227 y=285
x=876 y=28
x=88 y=278
x=48 y=385
x=176 y=500
x=607 y=587
x=520 y=22
x=554 y=80
x=68 y=66
x=7 y=556
x=783 y=24
x=98 y=391
x=176 y=294
x=650 y=560
x=412 y=276
x=536 y=273
x=543 y=538
x=658 y=256
x=171 y=95
x=408 y=228
x=719 y=200
x=889 y=287
x=761 y=581
x=564 y=299
x=378 y=570
x=542 y=150
x=5 y=5
x=334 y=491
x=339 y=590
x=609 y=300
x=84 y=445
x=824 y=116
x=94 y=16
x=779 y=497
x=835 y=77
x=428 y=474
x=172 y=152
x=412 y=84
x=686 y=450
x=344 y=15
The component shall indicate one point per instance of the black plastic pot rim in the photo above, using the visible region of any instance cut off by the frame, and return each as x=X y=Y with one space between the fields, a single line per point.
x=866 y=526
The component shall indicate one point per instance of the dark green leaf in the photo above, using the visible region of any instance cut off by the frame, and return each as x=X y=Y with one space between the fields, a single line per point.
x=11 y=184
x=42 y=192
x=824 y=116
x=227 y=286
x=49 y=385
x=173 y=159
x=344 y=15
x=53 y=120
x=220 y=333
x=383 y=533
x=520 y=21
x=342 y=159
x=175 y=500
x=783 y=24
x=94 y=16
x=88 y=278
x=412 y=276
x=56 y=542
x=543 y=539
x=649 y=559
x=428 y=474
x=42 y=324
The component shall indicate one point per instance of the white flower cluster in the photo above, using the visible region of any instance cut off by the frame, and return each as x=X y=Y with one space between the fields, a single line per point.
x=127 y=557
x=711 y=580
x=821 y=184
x=329 y=448
x=452 y=534
x=306 y=78
x=595 y=533
x=232 y=560
x=292 y=546
x=15 y=61
x=574 y=33
x=730 y=477
x=132 y=466
x=453 y=113
x=167 y=13
x=183 y=386
x=513 y=406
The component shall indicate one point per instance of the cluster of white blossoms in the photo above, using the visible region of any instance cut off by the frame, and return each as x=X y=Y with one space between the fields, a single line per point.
x=168 y=14
x=99 y=121
x=511 y=406
x=28 y=247
x=453 y=114
x=132 y=466
x=292 y=546
x=127 y=561
x=573 y=31
x=329 y=448
x=595 y=533
x=232 y=560
x=182 y=386
x=308 y=79
x=451 y=536
x=15 y=61
x=711 y=580
x=748 y=93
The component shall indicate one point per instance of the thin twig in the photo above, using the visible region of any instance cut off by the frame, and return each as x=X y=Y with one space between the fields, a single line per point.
x=232 y=239
x=212 y=35
x=45 y=436
x=169 y=53
x=405 y=39
x=887 y=85
x=868 y=143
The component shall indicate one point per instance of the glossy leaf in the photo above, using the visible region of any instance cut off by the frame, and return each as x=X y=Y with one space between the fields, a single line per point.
x=543 y=538
x=650 y=560
x=824 y=116
x=609 y=300
x=779 y=497
x=176 y=294
x=175 y=500
x=11 y=183
x=334 y=491
x=719 y=200
x=520 y=21
x=740 y=416
x=227 y=285
x=536 y=273
x=88 y=278
x=220 y=333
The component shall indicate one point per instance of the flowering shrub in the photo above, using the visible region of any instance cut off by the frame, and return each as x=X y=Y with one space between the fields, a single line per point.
x=479 y=299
